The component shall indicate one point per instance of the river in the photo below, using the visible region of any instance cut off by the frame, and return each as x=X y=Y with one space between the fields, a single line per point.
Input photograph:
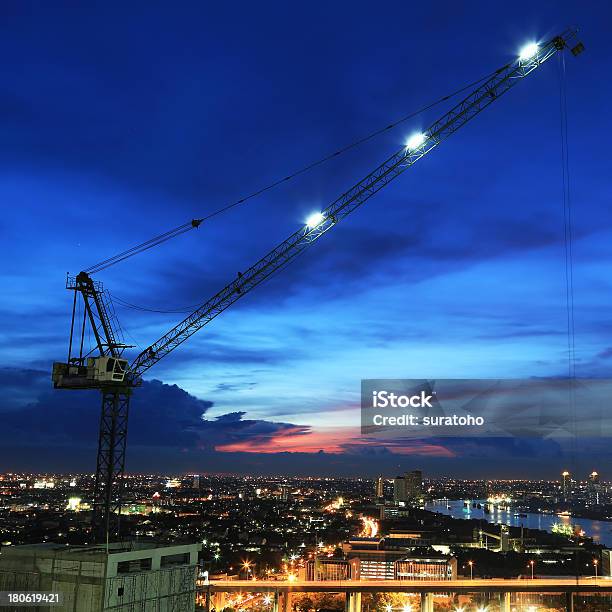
x=600 y=531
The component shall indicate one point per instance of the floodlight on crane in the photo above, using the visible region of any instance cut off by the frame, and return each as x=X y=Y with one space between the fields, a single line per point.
x=415 y=141
x=315 y=219
x=528 y=51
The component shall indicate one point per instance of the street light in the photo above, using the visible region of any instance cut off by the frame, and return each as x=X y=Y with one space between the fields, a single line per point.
x=471 y=564
x=595 y=564
x=532 y=564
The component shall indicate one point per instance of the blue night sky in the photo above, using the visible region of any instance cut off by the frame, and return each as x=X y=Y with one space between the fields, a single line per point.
x=120 y=121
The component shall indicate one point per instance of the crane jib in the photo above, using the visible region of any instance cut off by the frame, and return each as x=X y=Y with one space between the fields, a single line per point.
x=484 y=95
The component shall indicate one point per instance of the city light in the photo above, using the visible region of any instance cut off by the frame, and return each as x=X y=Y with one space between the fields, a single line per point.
x=315 y=219
x=370 y=527
x=407 y=608
x=74 y=504
x=267 y=600
x=388 y=608
x=415 y=141
x=291 y=577
x=528 y=51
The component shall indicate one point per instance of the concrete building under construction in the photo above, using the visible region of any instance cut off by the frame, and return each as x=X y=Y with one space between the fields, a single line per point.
x=123 y=577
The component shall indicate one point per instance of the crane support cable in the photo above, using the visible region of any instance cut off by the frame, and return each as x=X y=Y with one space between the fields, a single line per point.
x=148 y=244
x=468 y=108
x=194 y=223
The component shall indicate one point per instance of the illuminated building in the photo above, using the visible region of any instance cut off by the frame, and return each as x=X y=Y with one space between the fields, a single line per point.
x=380 y=487
x=375 y=558
x=322 y=568
x=428 y=567
x=393 y=512
x=44 y=484
x=566 y=485
x=594 y=489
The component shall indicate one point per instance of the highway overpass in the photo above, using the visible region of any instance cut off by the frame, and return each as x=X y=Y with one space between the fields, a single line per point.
x=353 y=589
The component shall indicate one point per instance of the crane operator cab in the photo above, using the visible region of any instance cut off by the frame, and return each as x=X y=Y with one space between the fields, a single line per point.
x=99 y=372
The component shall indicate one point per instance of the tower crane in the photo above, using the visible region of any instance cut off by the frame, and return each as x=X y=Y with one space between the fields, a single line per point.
x=106 y=369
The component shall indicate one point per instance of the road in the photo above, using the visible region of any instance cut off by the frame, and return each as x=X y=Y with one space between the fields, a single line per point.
x=493 y=585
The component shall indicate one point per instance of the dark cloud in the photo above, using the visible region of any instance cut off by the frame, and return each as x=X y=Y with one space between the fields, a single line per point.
x=240 y=386
x=160 y=415
x=21 y=386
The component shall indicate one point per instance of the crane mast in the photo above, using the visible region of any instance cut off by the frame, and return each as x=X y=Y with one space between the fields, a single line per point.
x=109 y=371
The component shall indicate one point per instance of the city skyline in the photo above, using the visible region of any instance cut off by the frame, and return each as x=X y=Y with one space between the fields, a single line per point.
x=455 y=271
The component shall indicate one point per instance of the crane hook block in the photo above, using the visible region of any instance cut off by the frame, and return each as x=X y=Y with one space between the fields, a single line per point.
x=196 y=222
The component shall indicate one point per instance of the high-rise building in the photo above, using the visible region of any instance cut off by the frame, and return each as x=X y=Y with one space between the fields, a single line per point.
x=566 y=485
x=594 y=489
x=414 y=485
x=399 y=489
x=380 y=487
x=409 y=487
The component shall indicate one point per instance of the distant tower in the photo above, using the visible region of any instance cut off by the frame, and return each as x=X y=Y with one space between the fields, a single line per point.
x=593 y=488
x=414 y=485
x=565 y=485
x=285 y=493
x=380 y=487
x=196 y=481
x=408 y=488
x=399 y=489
